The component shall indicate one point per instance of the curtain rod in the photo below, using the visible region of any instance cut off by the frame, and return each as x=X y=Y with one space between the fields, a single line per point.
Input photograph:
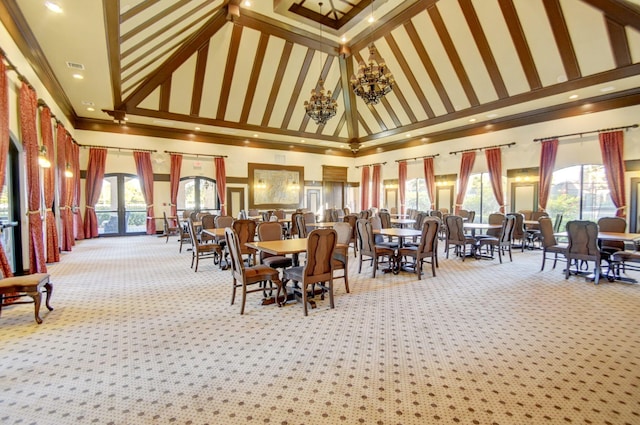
x=119 y=149
x=43 y=104
x=481 y=149
x=419 y=157
x=196 y=154
x=603 y=130
x=12 y=67
x=367 y=165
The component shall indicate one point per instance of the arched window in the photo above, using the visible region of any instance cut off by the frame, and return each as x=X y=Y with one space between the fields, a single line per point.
x=480 y=198
x=580 y=193
x=415 y=195
x=198 y=194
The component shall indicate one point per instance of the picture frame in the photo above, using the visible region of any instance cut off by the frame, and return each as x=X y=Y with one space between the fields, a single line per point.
x=275 y=186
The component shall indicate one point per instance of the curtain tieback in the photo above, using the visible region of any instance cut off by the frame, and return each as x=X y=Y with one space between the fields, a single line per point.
x=90 y=207
x=64 y=208
x=149 y=206
x=172 y=205
x=33 y=212
x=49 y=210
x=624 y=207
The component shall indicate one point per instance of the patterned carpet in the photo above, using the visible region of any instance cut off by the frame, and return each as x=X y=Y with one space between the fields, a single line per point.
x=137 y=337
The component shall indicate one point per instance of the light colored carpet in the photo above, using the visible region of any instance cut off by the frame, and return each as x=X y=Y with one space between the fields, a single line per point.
x=137 y=337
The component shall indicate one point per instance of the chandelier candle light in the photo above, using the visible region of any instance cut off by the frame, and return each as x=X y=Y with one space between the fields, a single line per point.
x=322 y=106
x=373 y=80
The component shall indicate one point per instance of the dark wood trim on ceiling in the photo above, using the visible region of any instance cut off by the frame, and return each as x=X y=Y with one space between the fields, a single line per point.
x=297 y=87
x=522 y=47
x=589 y=80
x=596 y=104
x=277 y=81
x=198 y=79
x=165 y=95
x=144 y=5
x=220 y=139
x=17 y=27
x=175 y=60
x=156 y=18
x=363 y=123
x=324 y=20
x=348 y=97
x=406 y=69
x=624 y=13
x=112 y=24
x=619 y=43
x=253 y=80
x=428 y=66
x=454 y=57
x=484 y=48
x=563 y=39
x=391 y=112
x=227 y=79
x=377 y=117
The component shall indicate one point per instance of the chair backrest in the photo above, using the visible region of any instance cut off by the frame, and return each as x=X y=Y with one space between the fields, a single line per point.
x=302 y=226
x=294 y=224
x=557 y=223
x=186 y=214
x=346 y=210
x=455 y=229
x=506 y=236
x=343 y=230
x=253 y=212
x=280 y=214
x=223 y=221
x=233 y=245
x=429 y=238
x=208 y=221
x=436 y=213
x=464 y=214
x=518 y=226
x=339 y=214
x=265 y=216
x=583 y=240
x=471 y=217
x=195 y=241
x=612 y=224
x=321 y=243
x=242 y=215
x=546 y=230
x=364 y=231
x=526 y=214
x=246 y=231
x=535 y=215
x=309 y=217
x=165 y=222
x=351 y=219
x=444 y=210
x=385 y=219
x=495 y=218
x=269 y=231
x=193 y=216
x=420 y=220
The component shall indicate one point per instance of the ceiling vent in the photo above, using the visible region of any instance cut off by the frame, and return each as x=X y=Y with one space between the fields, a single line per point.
x=74 y=65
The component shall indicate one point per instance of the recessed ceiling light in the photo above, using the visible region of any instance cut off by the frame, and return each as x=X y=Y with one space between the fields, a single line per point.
x=407 y=135
x=371 y=20
x=255 y=135
x=78 y=76
x=302 y=141
x=197 y=128
x=54 y=7
x=247 y=3
x=342 y=146
x=573 y=96
x=472 y=120
x=344 y=39
x=91 y=109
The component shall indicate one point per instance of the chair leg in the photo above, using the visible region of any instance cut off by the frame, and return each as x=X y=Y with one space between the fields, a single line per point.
x=544 y=257
x=244 y=297
x=331 y=304
x=304 y=299
x=37 y=297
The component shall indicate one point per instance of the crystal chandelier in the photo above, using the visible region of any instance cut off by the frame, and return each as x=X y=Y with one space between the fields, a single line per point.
x=322 y=106
x=373 y=80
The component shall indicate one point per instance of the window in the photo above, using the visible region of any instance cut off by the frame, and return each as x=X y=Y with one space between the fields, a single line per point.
x=415 y=195
x=121 y=208
x=198 y=194
x=580 y=193
x=480 y=197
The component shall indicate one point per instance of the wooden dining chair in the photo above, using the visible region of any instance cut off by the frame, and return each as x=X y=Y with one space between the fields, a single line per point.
x=203 y=250
x=169 y=230
x=246 y=231
x=549 y=243
x=502 y=243
x=427 y=251
x=582 y=246
x=12 y=289
x=341 y=253
x=368 y=248
x=245 y=276
x=456 y=238
x=318 y=270
x=272 y=231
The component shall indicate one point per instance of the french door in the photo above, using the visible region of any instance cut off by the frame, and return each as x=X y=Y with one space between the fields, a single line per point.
x=121 y=209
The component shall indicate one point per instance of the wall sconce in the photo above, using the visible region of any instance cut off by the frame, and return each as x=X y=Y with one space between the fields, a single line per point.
x=294 y=185
x=42 y=157
x=391 y=186
x=67 y=171
x=261 y=184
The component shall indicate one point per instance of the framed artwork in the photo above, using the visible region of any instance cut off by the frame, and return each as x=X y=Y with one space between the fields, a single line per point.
x=275 y=186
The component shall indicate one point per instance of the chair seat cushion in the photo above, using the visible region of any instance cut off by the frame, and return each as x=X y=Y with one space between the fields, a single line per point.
x=561 y=247
x=381 y=250
x=630 y=256
x=408 y=250
x=277 y=261
x=259 y=270
x=21 y=283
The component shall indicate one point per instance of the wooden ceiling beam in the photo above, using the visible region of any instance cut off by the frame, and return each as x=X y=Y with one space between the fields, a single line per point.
x=619 y=43
x=297 y=88
x=348 y=97
x=625 y=13
x=255 y=75
x=563 y=39
x=198 y=79
x=277 y=82
x=229 y=70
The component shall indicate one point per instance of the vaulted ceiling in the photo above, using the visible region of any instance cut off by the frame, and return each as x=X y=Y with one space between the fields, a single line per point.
x=225 y=72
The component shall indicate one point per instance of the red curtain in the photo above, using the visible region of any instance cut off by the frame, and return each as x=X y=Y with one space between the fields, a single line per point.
x=494 y=164
x=28 y=128
x=46 y=132
x=466 y=165
x=64 y=209
x=95 y=176
x=376 y=181
x=145 y=175
x=364 y=189
x=402 y=181
x=547 y=163
x=430 y=181
x=5 y=140
x=75 y=200
x=612 y=148
x=174 y=185
x=221 y=183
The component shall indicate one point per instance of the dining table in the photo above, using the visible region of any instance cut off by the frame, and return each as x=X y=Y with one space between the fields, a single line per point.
x=402 y=222
x=322 y=224
x=473 y=227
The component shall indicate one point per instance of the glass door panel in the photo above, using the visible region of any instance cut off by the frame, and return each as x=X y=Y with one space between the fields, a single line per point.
x=121 y=208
